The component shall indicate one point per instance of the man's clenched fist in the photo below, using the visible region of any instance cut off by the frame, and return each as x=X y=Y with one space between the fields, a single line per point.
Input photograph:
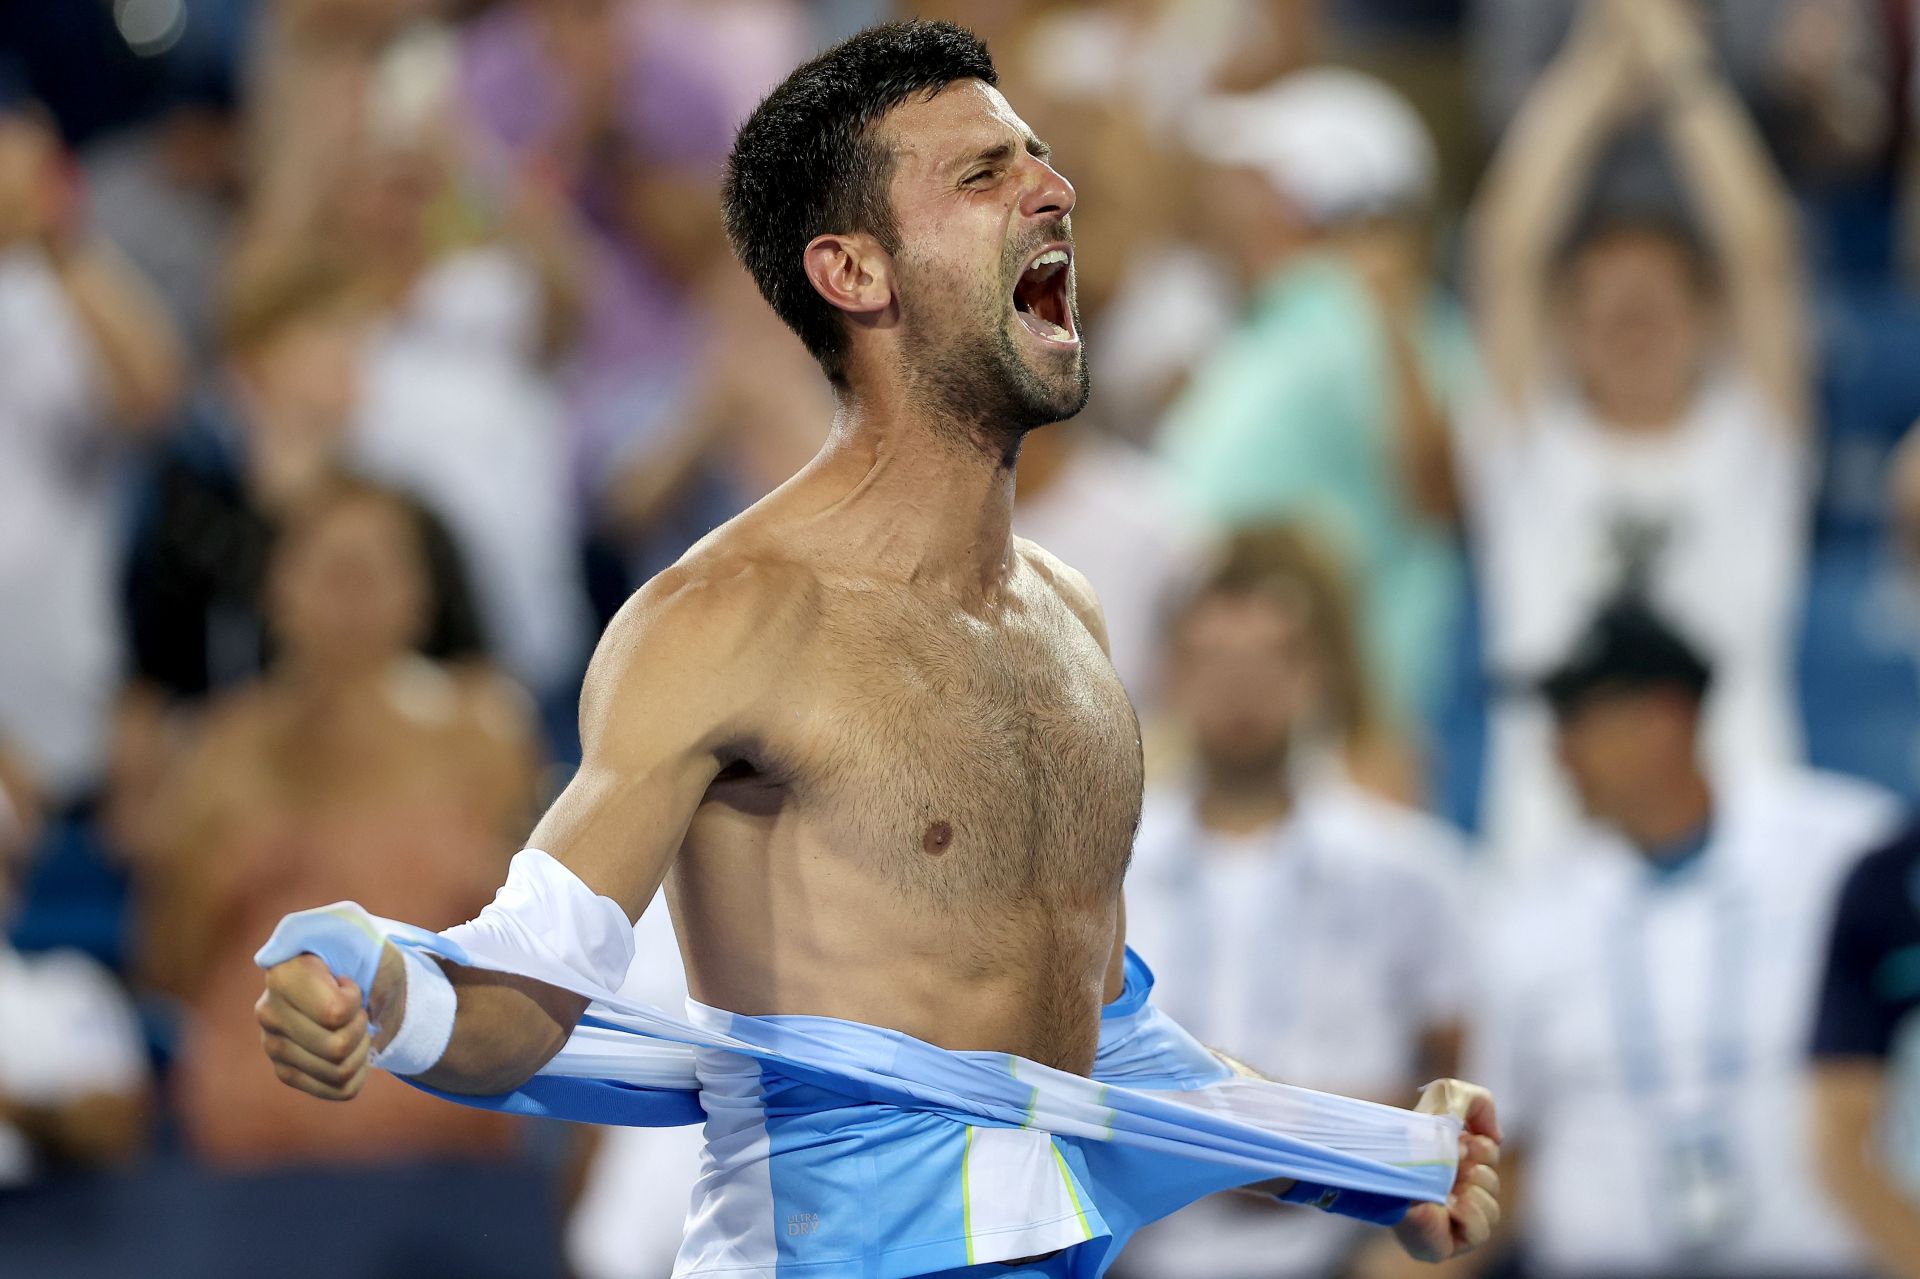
x=1435 y=1232
x=314 y=1028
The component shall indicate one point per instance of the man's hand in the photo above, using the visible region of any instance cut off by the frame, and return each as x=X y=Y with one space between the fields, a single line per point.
x=314 y=1029
x=1437 y=1232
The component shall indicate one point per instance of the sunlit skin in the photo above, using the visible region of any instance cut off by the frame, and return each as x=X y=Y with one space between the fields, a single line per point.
x=869 y=741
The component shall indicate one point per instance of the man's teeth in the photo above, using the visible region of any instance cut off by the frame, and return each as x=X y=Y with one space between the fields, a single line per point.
x=1050 y=258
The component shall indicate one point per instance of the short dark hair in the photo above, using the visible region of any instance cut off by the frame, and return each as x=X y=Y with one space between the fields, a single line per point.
x=804 y=165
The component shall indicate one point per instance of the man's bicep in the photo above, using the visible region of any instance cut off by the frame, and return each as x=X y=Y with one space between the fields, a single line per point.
x=675 y=677
x=619 y=830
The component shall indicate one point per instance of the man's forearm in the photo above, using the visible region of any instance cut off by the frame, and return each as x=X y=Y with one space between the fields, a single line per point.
x=1886 y=1217
x=1537 y=180
x=1849 y=1096
x=132 y=335
x=505 y=1028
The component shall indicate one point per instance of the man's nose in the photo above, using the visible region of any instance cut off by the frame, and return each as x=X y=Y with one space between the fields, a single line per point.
x=1048 y=195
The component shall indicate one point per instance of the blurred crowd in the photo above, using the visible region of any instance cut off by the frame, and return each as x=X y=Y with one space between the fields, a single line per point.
x=1498 y=481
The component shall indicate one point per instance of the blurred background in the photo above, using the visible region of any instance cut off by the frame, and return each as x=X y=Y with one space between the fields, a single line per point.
x=1498 y=479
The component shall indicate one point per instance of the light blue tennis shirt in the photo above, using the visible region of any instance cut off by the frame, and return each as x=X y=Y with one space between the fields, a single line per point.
x=837 y=1149
x=1296 y=418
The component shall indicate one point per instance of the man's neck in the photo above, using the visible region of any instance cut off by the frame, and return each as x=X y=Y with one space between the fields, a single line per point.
x=932 y=497
x=1243 y=804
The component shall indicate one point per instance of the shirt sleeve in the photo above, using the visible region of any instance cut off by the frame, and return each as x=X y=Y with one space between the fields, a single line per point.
x=1850 y=1020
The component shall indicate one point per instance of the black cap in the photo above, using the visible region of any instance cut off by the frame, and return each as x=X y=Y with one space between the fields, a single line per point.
x=1627 y=645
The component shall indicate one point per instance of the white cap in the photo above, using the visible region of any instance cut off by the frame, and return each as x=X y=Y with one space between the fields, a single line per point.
x=1337 y=143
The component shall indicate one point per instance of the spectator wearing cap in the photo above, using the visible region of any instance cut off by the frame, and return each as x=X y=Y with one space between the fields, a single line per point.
x=1648 y=989
x=1284 y=908
x=1329 y=403
x=1647 y=405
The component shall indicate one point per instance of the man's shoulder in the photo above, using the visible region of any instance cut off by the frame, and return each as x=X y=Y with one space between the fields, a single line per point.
x=1069 y=582
x=720 y=589
x=700 y=647
x=1803 y=812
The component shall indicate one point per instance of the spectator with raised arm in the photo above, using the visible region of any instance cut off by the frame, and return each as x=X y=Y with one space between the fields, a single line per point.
x=1648 y=403
x=88 y=362
x=362 y=158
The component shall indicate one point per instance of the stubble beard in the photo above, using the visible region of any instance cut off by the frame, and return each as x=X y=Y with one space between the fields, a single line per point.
x=978 y=376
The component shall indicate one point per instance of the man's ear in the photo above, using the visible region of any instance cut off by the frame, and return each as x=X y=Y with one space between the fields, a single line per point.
x=852 y=272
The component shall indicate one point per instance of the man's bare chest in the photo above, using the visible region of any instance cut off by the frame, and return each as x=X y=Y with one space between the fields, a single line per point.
x=997 y=759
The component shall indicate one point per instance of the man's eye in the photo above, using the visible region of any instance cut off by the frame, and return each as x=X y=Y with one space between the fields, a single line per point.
x=980 y=177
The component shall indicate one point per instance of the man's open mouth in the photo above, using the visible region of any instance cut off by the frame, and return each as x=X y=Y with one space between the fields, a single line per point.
x=1040 y=295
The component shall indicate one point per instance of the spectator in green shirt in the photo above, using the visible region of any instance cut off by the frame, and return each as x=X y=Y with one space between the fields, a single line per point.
x=1329 y=403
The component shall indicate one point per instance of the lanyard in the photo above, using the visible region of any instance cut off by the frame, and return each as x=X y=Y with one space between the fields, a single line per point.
x=1648 y=1076
x=1696 y=1195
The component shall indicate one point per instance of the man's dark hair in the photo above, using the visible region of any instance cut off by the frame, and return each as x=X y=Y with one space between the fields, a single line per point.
x=1654 y=220
x=804 y=163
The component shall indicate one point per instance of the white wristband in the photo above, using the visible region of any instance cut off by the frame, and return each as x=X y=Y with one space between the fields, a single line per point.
x=426 y=1024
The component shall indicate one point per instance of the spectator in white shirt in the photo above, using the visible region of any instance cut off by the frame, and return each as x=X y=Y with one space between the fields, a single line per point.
x=87 y=358
x=1282 y=908
x=1649 y=992
x=1649 y=400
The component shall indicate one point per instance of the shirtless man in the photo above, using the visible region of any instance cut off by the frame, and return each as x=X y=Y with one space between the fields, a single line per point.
x=870 y=743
